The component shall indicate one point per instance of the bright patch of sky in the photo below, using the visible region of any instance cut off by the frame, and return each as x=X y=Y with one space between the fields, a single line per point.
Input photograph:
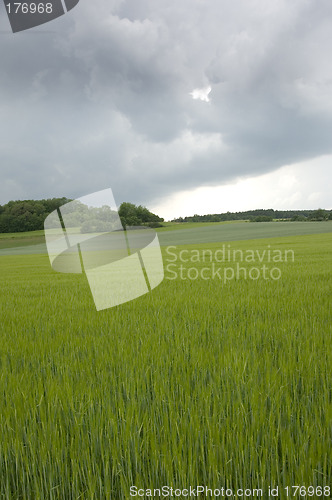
x=201 y=94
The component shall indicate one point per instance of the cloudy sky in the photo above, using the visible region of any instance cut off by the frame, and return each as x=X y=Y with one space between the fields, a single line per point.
x=190 y=106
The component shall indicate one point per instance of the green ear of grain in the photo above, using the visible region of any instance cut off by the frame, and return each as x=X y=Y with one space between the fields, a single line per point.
x=195 y=383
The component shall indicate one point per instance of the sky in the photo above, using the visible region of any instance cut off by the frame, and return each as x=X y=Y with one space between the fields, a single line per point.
x=191 y=106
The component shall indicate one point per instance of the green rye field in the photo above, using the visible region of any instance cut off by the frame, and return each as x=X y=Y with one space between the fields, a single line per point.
x=200 y=382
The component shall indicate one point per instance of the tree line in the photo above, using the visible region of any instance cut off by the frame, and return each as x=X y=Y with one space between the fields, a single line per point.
x=262 y=215
x=29 y=215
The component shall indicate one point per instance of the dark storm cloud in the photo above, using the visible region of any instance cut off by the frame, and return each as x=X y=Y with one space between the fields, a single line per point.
x=104 y=99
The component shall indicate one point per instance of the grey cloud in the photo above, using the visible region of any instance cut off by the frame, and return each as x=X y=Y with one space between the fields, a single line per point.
x=104 y=99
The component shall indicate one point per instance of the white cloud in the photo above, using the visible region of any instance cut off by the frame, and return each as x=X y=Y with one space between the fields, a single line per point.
x=290 y=187
x=201 y=94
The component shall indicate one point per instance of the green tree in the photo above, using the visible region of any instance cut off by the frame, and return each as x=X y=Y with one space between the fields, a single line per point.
x=27 y=215
x=319 y=215
x=132 y=215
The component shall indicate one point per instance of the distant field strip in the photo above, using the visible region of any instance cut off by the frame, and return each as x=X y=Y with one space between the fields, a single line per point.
x=191 y=234
x=242 y=231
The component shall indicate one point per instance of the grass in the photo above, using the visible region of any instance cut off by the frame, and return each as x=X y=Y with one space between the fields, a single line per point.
x=11 y=240
x=198 y=382
x=174 y=226
x=216 y=232
x=194 y=232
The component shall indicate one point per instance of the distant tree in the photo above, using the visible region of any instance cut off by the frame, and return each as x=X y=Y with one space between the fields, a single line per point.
x=298 y=218
x=27 y=215
x=285 y=215
x=319 y=215
x=132 y=215
x=128 y=215
x=5 y=223
x=262 y=218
